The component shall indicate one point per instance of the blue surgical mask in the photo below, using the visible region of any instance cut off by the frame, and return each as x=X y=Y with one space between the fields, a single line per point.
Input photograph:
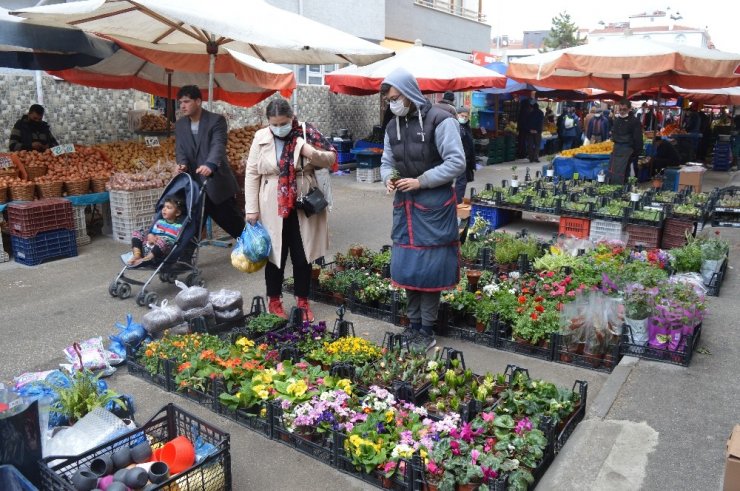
x=462 y=120
x=281 y=131
x=399 y=108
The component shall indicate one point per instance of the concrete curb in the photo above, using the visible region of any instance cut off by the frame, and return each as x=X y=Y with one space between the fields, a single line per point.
x=609 y=392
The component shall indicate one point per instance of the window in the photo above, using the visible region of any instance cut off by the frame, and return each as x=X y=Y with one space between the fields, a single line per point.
x=312 y=74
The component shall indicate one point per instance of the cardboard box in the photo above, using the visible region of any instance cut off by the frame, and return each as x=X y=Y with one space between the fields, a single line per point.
x=732 y=461
x=691 y=176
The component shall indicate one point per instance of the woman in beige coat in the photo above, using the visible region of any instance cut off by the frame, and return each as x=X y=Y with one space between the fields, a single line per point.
x=280 y=169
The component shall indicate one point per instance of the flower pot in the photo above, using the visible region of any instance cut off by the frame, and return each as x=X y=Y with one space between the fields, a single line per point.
x=427 y=486
x=338 y=298
x=594 y=359
x=639 y=330
x=309 y=434
x=544 y=343
x=386 y=482
x=356 y=251
x=315 y=272
x=601 y=177
x=404 y=320
x=473 y=278
x=608 y=360
x=550 y=173
x=480 y=326
x=471 y=486
x=566 y=358
x=514 y=183
x=634 y=197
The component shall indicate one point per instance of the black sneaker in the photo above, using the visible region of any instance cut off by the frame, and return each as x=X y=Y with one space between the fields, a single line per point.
x=423 y=343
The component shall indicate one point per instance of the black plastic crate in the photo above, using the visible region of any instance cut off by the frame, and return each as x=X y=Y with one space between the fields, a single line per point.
x=211 y=474
x=319 y=446
x=389 y=311
x=567 y=427
x=402 y=480
x=258 y=419
x=162 y=378
x=502 y=340
x=472 y=335
x=605 y=363
x=678 y=357
x=715 y=283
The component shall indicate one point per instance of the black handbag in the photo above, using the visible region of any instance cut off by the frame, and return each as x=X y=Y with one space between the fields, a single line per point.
x=312 y=202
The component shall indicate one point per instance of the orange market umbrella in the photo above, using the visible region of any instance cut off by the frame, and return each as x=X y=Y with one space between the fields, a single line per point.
x=239 y=79
x=613 y=64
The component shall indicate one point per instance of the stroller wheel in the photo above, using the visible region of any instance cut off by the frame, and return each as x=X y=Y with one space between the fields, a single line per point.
x=167 y=277
x=113 y=288
x=141 y=299
x=151 y=298
x=123 y=290
x=194 y=279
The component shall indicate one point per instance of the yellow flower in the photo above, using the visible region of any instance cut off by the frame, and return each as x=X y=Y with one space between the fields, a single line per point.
x=423 y=453
x=355 y=440
x=263 y=412
x=267 y=377
x=245 y=343
x=263 y=394
x=389 y=415
x=257 y=388
x=298 y=388
x=346 y=385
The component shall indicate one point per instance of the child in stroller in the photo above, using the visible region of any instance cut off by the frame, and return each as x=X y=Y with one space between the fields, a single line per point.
x=152 y=246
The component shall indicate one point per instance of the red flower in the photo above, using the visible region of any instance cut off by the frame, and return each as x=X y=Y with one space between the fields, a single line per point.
x=533 y=315
x=538 y=298
x=522 y=299
x=550 y=274
x=539 y=308
x=568 y=280
x=525 y=290
x=183 y=367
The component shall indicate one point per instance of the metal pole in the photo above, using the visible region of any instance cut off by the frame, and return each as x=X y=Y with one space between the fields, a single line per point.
x=168 y=108
x=39 y=88
x=212 y=49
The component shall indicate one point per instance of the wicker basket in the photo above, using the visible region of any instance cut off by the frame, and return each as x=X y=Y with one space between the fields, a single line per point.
x=77 y=187
x=36 y=171
x=49 y=189
x=22 y=192
x=9 y=172
x=3 y=195
x=97 y=184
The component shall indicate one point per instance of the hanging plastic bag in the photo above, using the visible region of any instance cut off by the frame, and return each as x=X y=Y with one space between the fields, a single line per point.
x=252 y=249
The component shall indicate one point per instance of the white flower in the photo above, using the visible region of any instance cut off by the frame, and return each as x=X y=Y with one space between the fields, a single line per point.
x=514 y=275
x=432 y=365
x=512 y=291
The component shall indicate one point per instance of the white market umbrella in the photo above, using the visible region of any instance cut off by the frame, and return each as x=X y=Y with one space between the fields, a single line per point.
x=239 y=79
x=614 y=63
x=721 y=97
x=433 y=70
x=251 y=27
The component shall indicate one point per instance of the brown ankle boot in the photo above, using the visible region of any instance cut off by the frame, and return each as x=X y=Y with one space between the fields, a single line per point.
x=275 y=306
x=302 y=303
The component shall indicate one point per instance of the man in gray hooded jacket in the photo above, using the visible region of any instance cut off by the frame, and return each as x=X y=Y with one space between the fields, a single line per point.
x=422 y=156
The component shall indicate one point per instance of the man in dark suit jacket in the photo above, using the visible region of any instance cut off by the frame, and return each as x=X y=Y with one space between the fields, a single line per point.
x=200 y=150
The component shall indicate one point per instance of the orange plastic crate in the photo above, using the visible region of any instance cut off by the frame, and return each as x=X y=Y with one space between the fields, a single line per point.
x=575 y=227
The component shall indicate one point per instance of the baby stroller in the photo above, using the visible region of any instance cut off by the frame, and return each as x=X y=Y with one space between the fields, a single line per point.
x=182 y=258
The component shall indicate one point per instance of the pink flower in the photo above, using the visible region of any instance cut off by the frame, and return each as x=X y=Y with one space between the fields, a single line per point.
x=488 y=417
x=488 y=474
x=572 y=293
x=455 y=447
x=547 y=287
x=550 y=274
x=432 y=467
x=523 y=425
x=474 y=454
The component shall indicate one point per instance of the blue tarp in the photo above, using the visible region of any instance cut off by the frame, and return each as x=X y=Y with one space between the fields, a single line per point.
x=565 y=167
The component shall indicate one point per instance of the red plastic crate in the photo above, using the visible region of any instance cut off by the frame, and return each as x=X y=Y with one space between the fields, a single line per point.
x=648 y=237
x=29 y=218
x=575 y=227
x=674 y=232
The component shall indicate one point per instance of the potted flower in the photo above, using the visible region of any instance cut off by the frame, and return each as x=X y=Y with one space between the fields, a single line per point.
x=713 y=254
x=638 y=305
x=514 y=177
x=483 y=311
x=634 y=191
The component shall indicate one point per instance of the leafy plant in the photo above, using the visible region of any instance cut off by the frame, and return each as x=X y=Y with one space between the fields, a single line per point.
x=82 y=396
x=687 y=209
x=686 y=259
x=265 y=322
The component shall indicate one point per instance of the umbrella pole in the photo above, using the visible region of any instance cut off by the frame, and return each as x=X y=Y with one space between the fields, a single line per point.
x=655 y=116
x=212 y=49
x=39 y=88
x=625 y=78
x=168 y=110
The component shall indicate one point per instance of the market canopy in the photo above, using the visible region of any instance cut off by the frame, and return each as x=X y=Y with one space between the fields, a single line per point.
x=238 y=79
x=719 y=97
x=519 y=88
x=614 y=62
x=28 y=46
x=251 y=27
x=433 y=70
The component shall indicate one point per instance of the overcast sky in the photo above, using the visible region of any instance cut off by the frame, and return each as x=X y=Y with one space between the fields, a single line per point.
x=721 y=19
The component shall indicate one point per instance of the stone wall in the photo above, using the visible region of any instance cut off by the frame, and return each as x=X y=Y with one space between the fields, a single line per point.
x=86 y=115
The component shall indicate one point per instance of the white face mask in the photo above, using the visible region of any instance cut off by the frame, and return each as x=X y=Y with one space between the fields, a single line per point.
x=398 y=108
x=281 y=131
x=462 y=120
x=597 y=115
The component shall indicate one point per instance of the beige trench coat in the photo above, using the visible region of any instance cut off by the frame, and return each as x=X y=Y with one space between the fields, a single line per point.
x=260 y=189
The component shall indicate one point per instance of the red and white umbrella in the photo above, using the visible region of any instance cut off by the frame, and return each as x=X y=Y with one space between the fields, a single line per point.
x=433 y=70
x=158 y=69
x=613 y=64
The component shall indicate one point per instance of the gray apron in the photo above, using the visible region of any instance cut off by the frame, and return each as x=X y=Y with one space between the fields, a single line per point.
x=619 y=163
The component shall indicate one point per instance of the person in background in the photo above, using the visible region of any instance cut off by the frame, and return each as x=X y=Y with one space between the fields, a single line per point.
x=598 y=128
x=280 y=169
x=705 y=128
x=568 y=128
x=447 y=103
x=522 y=128
x=422 y=155
x=549 y=115
x=155 y=243
x=692 y=121
x=31 y=132
x=588 y=118
x=466 y=136
x=200 y=150
x=534 y=137
x=665 y=155
x=627 y=137
x=649 y=121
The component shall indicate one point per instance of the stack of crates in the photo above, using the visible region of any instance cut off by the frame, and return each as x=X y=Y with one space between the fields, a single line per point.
x=132 y=210
x=579 y=228
x=496 y=150
x=722 y=156
x=4 y=256
x=509 y=148
x=343 y=147
x=605 y=230
x=80 y=226
x=368 y=164
x=41 y=230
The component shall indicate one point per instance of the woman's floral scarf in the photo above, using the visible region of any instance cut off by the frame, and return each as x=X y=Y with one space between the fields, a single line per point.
x=287 y=188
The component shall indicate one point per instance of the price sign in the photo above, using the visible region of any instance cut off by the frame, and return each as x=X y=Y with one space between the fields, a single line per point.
x=151 y=141
x=62 y=149
x=5 y=162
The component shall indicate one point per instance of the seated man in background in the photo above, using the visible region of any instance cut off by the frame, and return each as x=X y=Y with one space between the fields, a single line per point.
x=31 y=132
x=665 y=155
